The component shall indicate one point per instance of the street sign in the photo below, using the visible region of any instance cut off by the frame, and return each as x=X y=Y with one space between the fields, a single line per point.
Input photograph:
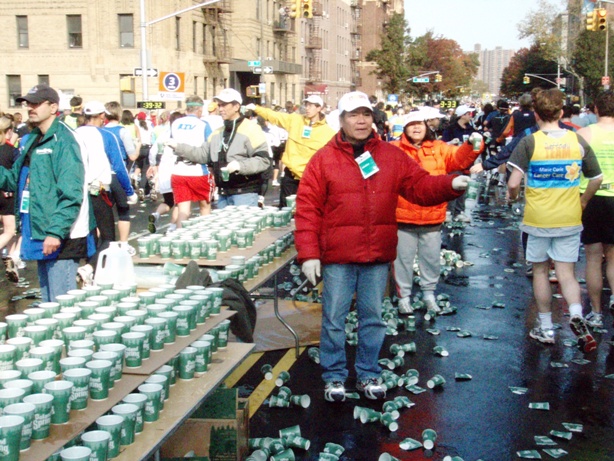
x=257 y=70
x=420 y=80
x=267 y=70
x=254 y=63
x=172 y=85
x=138 y=71
x=262 y=87
x=605 y=80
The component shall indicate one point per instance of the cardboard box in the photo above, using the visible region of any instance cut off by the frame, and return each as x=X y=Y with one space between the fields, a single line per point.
x=221 y=404
x=217 y=439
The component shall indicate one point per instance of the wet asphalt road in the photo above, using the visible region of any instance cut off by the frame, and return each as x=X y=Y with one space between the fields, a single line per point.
x=476 y=419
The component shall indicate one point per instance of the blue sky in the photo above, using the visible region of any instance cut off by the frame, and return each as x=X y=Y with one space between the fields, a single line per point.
x=491 y=23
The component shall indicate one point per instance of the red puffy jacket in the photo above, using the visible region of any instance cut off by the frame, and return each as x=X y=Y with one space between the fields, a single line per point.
x=342 y=218
x=437 y=158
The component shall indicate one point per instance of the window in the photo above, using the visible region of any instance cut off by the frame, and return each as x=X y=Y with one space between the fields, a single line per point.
x=177 y=35
x=43 y=79
x=205 y=32
x=75 y=33
x=194 y=25
x=13 y=82
x=126 y=30
x=127 y=96
x=22 y=32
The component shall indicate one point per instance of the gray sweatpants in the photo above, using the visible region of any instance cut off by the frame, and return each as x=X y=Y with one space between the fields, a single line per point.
x=427 y=243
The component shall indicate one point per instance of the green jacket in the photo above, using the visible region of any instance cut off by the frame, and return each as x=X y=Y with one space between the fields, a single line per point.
x=59 y=202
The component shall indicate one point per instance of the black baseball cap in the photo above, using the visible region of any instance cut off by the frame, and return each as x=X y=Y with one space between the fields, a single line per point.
x=40 y=93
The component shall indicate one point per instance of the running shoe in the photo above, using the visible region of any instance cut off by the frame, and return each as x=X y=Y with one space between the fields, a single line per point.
x=611 y=303
x=404 y=306
x=586 y=342
x=545 y=336
x=334 y=391
x=153 y=220
x=141 y=194
x=594 y=320
x=85 y=275
x=11 y=270
x=372 y=388
x=462 y=217
x=431 y=305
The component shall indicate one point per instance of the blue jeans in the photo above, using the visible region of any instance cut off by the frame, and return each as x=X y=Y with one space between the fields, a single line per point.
x=341 y=281
x=56 y=277
x=250 y=199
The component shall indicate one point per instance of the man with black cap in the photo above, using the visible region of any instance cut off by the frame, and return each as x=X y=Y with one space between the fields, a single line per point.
x=306 y=134
x=51 y=203
x=346 y=230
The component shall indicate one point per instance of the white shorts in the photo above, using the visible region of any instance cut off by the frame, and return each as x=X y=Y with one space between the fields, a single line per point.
x=562 y=249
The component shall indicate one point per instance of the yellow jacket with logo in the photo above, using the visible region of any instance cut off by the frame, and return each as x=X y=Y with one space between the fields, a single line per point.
x=299 y=149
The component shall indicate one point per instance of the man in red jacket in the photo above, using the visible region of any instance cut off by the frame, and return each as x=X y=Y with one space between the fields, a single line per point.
x=346 y=226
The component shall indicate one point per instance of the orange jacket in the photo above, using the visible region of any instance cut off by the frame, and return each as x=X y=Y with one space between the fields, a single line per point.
x=437 y=158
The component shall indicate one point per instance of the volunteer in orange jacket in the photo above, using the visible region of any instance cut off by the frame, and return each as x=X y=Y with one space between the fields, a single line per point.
x=420 y=226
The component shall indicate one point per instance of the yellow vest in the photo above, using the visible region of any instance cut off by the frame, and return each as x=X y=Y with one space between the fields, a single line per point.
x=602 y=143
x=553 y=182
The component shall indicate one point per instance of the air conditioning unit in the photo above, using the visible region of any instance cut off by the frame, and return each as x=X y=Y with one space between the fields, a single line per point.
x=346 y=25
x=347 y=53
x=269 y=23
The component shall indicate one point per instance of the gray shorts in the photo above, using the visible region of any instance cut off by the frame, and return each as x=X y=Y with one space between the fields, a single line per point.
x=562 y=249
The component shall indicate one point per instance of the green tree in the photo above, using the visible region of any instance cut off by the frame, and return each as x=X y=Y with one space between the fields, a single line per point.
x=588 y=60
x=527 y=61
x=390 y=59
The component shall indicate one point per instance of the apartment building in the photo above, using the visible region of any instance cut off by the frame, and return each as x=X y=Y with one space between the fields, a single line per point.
x=492 y=64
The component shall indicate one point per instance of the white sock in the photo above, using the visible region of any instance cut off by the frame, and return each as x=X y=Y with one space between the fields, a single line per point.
x=172 y=227
x=575 y=309
x=545 y=320
x=156 y=214
x=428 y=295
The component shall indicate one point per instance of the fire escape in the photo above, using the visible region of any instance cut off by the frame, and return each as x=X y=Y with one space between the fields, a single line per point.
x=217 y=26
x=356 y=52
x=313 y=45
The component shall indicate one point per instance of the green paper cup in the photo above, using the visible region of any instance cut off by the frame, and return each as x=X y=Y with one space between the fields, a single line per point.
x=34 y=314
x=202 y=355
x=211 y=339
x=124 y=307
x=124 y=289
x=51 y=325
x=113 y=295
x=46 y=354
x=222 y=339
x=82 y=344
x=127 y=321
x=210 y=249
x=165 y=247
x=61 y=391
x=10 y=396
x=158 y=332
x=80 y=295
x=23 y=383
x=101 y=337
x=92 y=290
x=170 y=328
x=22 y=347
x=37 y=333
x=80 y=377
x=153 y=393
x=99 y=379
x=112 y=357
x=154 y=309
x=102 y=301
x=65 y=300
x=87 y=308
x=58 y=347
x=117 y=327
x=27 y=366
x=65 y=320
x=68 y=363
x=217 y=299
x=146 y=298
x=162 y=381
x=428 y=439
x=168 y=303
x=26 y=411
x=113 y=425
x=15 y=324
x=75 y=453
x=100 y=319
x=7 y=357
x=187 y=363
x=183 y=320
x=194 y=306
x=134 y=348
x=98 y=443
x=50 y=308
x=167 y=371
x=129 y=412
x=72 y=334
x=147 y=331
x=120 y=350
x=139 y=400
x=89 y=325
x=10 y=436
x=435 y=381
x=42 y=414
x=85 y=353
x=137 y=314
x=8 y=375
x=39 y=379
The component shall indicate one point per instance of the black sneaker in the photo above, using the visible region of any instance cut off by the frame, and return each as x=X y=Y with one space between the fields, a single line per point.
x=334 y=391
x=141 y=194
x=372 y=388
x=12 y=273
x=586 y=342
x=151 y=227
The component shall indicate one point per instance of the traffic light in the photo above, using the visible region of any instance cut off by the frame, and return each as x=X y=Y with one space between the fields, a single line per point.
x=294 y=8
x=591 y=20
x=602 y=21
x=526 y=80
x=307 y=9
x=438 y=77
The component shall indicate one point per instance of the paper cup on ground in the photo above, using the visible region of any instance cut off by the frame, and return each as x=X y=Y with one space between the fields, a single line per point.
x=435 y=381
x=128 y=411
x=61 y=391
x=113 y=425
x=10 y=436
x=40 y=378
x=134 y=348
x=10 y=396
x=7 y=357
x=99 y=379
x=428 y=438
x=23 y=383
x=80 y=377
x=120 y=350
x=98 y=443
x=26 y=411
x=139 y=400
x=152 y=405
x=42 y=414
x=27 y=366
x=15 y=324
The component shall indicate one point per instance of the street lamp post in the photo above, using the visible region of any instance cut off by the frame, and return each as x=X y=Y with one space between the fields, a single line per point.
x=144 y=24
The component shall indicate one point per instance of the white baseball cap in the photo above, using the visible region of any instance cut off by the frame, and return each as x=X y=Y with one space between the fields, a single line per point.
x=431 y=113
x=229 y=95
x=415 y=116
x=314 y=99
x=462 y=110
x=94 y=108
x=352 y=101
